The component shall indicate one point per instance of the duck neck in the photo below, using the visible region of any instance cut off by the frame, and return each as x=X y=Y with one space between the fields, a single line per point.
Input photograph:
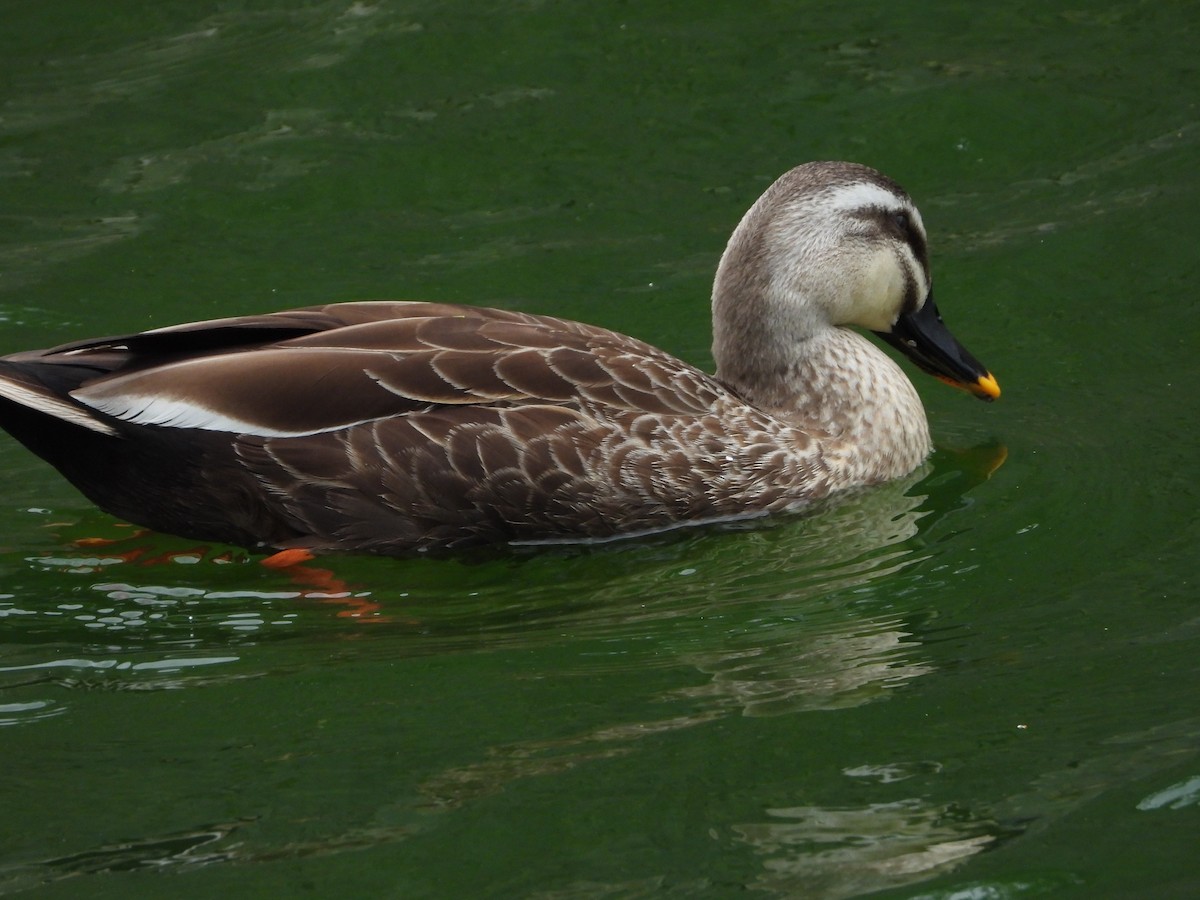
x=841 y=389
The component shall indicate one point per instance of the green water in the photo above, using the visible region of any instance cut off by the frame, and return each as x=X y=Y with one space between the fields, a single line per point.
x=957 y=686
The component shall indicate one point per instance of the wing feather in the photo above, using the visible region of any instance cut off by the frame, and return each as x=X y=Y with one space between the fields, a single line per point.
x=326 y=368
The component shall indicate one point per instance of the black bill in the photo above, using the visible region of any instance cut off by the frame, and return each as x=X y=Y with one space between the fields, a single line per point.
x=924 y=338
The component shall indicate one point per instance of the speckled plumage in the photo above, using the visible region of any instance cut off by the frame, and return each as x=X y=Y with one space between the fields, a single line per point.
x=391 y=427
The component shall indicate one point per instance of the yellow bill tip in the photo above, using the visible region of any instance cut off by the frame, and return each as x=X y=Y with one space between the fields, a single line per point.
x=986 y=387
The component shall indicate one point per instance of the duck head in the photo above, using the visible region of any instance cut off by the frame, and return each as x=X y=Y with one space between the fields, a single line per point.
x=832 y=244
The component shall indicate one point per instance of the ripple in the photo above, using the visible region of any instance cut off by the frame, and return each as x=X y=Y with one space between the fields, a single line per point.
x=808 y=851
x=1032 y=208
x=314 y=37
x=48 y=241
x=156 y=170
x=163 y=589
x=145 y=671
x=1177 y=796
x=158 y=665
x=809 y=669
x=178 y=850
x=29 y=711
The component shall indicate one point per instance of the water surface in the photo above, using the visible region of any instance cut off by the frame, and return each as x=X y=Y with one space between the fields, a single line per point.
x=958 y=685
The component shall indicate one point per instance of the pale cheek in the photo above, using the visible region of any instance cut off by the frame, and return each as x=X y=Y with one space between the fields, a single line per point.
x=879 y=295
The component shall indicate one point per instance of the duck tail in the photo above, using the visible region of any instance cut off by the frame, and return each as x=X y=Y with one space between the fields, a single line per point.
x=41 y=391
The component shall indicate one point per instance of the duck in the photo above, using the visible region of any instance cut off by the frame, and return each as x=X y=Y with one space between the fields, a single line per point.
x=401 y=427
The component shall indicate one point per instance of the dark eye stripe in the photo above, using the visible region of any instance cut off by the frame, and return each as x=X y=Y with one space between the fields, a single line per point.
x=899 y=224
x=912 y=297
x=916 y=240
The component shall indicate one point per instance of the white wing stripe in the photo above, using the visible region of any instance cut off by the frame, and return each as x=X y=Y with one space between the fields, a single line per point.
x=52 y=406
x=169 y=412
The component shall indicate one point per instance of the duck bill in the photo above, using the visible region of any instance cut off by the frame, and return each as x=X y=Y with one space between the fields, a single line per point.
x=924 y=338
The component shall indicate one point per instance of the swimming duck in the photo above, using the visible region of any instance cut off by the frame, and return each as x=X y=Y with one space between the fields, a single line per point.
x=393 y=427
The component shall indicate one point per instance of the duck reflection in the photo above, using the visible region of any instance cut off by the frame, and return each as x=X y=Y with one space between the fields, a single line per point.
x=823 y=853
x=805 y=643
